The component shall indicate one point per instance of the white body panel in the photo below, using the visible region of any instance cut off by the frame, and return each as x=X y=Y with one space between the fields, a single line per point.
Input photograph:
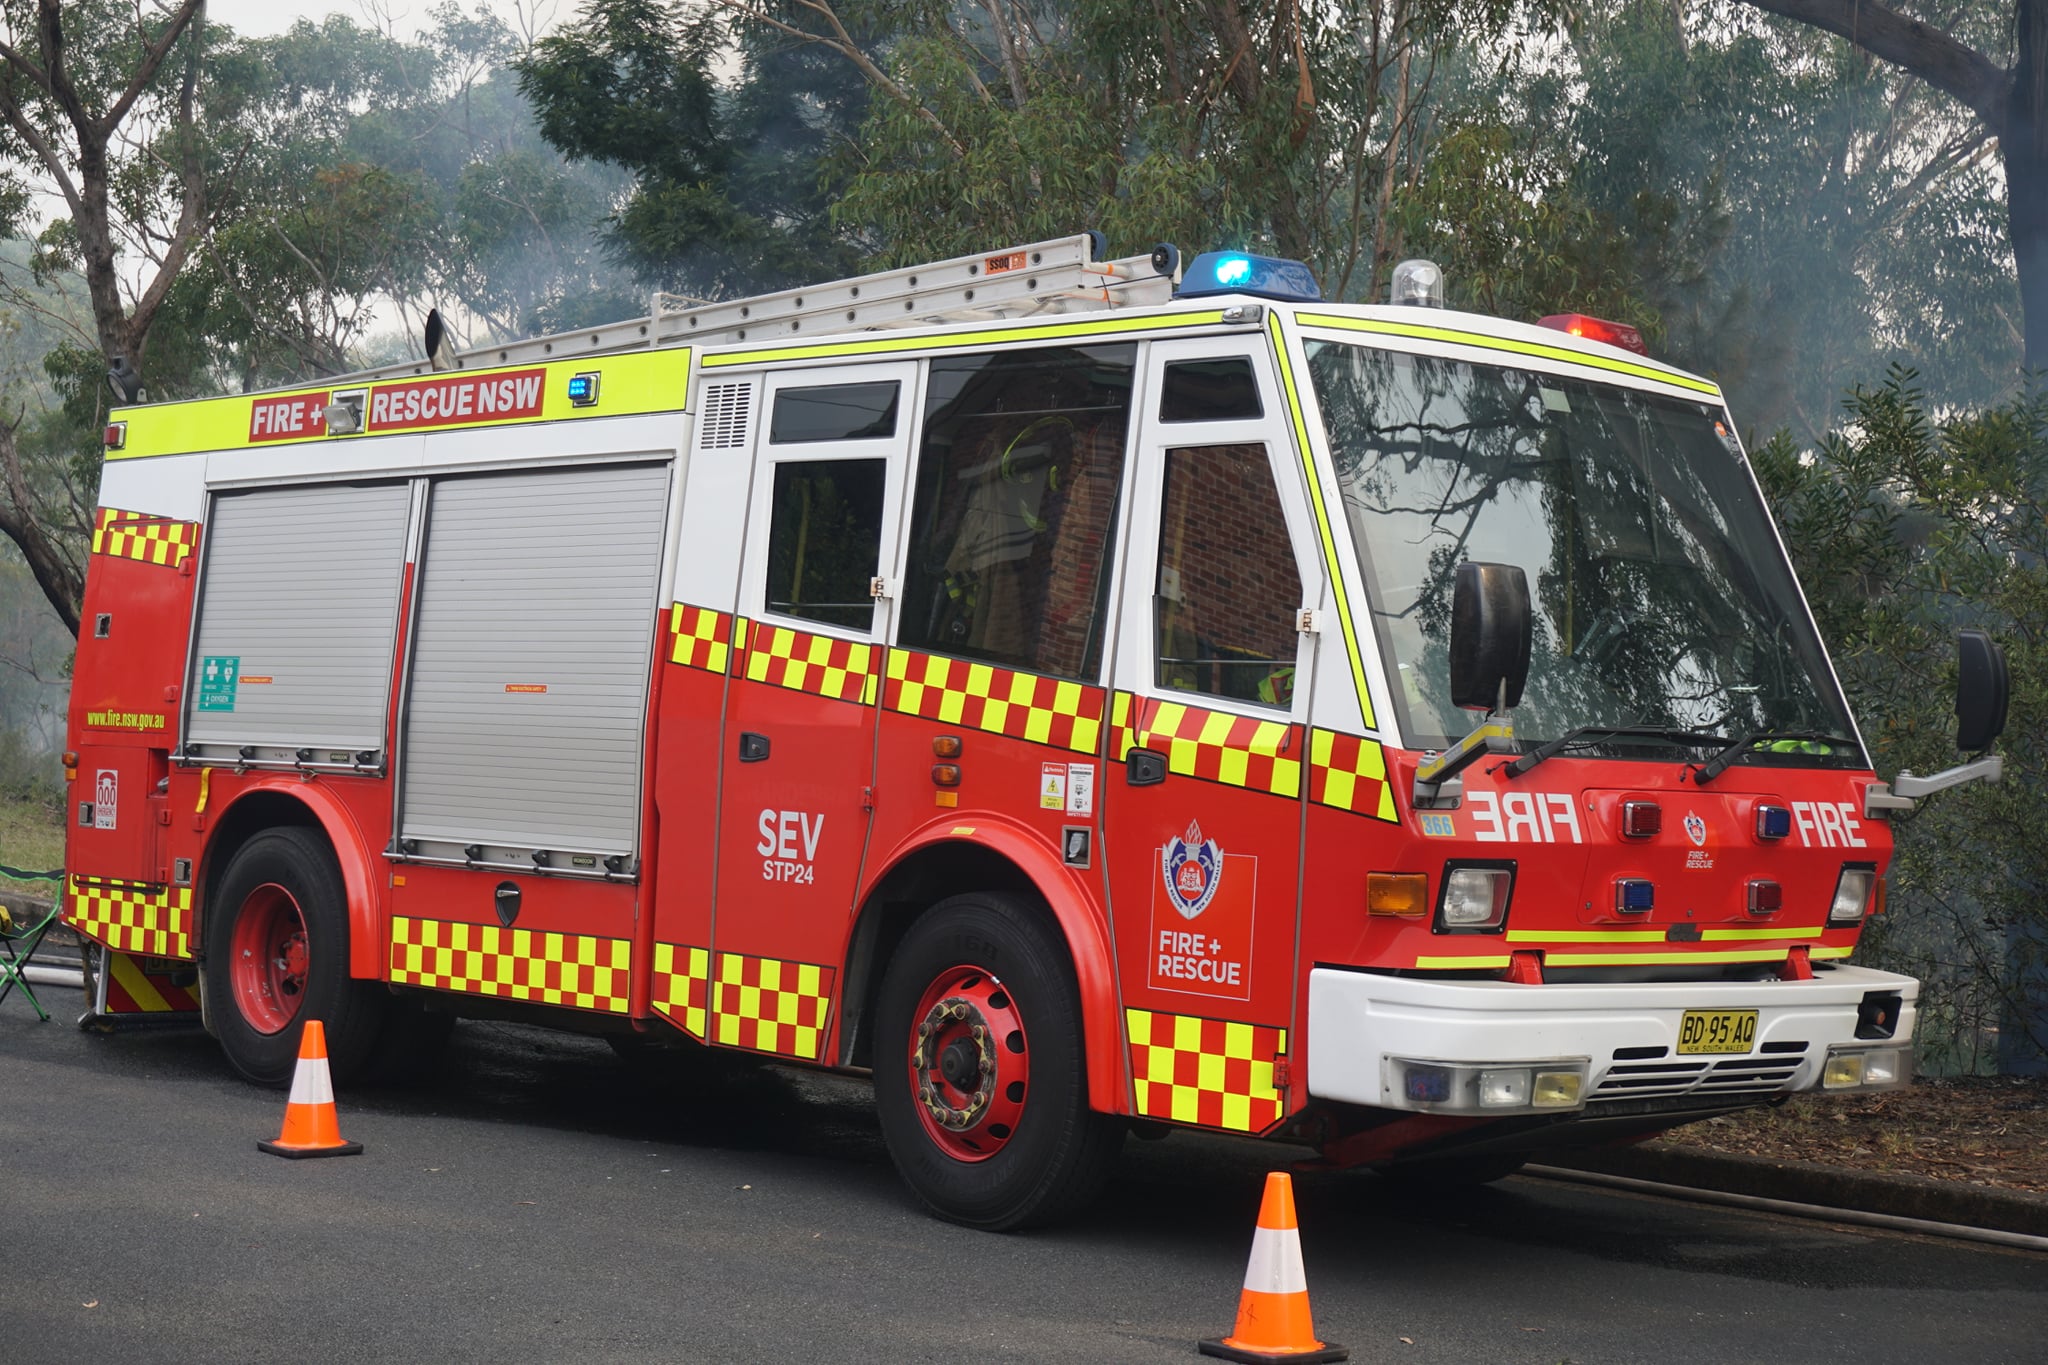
x=1357 y=1020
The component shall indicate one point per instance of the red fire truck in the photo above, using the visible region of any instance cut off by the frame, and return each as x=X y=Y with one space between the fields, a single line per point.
x=1087 y=695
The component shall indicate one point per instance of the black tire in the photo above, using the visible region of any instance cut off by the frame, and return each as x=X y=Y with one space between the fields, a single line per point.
x=299 y=863
x=1058 y=1153
x=1455 y=1172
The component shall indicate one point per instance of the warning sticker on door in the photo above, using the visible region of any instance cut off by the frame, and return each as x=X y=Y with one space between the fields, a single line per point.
x=1067 y=786
x=1202 y=908
x=219 y=675
x=106 y=793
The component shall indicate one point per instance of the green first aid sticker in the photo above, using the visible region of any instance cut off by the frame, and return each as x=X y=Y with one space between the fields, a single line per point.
x=217 y=677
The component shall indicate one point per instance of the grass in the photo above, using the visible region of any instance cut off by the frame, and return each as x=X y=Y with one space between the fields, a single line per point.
x=31 y=838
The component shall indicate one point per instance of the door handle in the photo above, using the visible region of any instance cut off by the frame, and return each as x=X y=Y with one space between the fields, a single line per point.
x=753 y=747
x=1143 y=768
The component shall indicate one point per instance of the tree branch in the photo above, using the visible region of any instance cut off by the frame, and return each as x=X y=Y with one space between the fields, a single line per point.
x=1919 y=48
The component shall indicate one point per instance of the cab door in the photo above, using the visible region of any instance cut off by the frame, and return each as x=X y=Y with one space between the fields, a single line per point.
x=1203 y=800
x=799 y=730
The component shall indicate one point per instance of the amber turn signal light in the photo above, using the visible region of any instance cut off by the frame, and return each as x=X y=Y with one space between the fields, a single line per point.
x=70 y=766
x=946 y=774
x=947 y=746
x=1397 y=893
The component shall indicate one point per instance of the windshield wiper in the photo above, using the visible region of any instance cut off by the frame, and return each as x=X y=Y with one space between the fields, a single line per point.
x=1552 y=748
x=1720 y=762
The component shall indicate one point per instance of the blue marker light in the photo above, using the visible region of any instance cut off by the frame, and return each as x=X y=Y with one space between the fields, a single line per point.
x=583 y=389
x=1237 y=272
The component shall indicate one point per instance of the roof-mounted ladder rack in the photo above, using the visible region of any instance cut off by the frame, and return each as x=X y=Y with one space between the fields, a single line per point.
x=1063 y=275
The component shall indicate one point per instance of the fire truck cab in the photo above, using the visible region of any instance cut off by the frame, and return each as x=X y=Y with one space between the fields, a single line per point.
x=1084 y=694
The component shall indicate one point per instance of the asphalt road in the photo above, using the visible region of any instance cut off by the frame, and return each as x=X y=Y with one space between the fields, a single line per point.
x=538 y=1199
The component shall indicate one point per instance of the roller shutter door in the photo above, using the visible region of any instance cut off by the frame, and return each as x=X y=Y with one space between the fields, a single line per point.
x=528 y=691
x=297 y=617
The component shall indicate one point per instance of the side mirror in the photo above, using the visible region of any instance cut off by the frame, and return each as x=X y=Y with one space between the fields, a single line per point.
x=1490 y=625
x=1981 y=691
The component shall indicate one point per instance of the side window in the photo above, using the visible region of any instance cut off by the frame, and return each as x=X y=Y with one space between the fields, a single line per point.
x=825 y=539
x=1017 y=487
x=834 y=412
x=1218 y=390
x=1228 y=587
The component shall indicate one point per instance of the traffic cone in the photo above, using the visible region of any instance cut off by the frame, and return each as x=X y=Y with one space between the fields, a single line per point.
x=310 y=1126
x=1273 y=1323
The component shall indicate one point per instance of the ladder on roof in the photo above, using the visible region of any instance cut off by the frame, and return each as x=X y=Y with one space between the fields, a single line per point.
x=1063 y=275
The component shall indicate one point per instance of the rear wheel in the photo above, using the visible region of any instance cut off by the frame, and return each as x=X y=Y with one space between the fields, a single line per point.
x=979 y=1073
x=277 y=955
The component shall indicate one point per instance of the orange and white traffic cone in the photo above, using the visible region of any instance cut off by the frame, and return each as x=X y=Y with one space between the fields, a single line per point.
x=1273 y=1323
x=310 y=1126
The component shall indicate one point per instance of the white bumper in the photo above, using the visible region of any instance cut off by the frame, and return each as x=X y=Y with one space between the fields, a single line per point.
x=1357 y=1022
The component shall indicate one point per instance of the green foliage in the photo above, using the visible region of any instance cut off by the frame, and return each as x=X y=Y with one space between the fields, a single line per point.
x=1796 y=214
x=726 y=193
x=1905 y=528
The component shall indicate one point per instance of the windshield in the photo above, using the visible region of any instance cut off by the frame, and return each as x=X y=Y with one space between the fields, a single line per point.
x=1660 y=595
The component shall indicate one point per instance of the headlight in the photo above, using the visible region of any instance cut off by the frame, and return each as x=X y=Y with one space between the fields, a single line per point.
x=1874 y=1068
x=1481 y=1088
x=1475 y=898
x=1852 y=893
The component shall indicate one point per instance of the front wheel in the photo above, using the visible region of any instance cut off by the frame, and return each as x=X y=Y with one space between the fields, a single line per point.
x=980 y=1078
x=277 y=955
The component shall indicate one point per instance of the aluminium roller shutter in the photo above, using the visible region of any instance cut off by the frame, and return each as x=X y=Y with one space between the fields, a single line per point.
x=527 y=696
x=301 y=593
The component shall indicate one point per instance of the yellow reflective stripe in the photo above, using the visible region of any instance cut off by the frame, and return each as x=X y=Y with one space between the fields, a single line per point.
x=1723 y=934
x=982 y=336
x=1679 y=953
x=634 y=383
x=1458 y=337
x=1461 y=961
x=1819 y=951
x=1323 y=532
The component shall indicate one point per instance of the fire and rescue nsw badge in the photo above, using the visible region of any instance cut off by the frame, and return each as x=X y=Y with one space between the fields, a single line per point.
x=1202 y=918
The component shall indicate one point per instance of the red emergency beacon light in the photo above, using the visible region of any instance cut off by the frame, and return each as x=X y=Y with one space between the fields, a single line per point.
x=1596 y=329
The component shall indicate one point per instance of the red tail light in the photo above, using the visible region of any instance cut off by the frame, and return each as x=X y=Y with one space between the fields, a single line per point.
x=1641 y=819
x=1597 y=329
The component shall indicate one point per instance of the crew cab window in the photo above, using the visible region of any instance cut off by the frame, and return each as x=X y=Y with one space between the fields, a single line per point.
x=1228 y=586
x=1018 y=479
x=834 y=412
x=824 y=540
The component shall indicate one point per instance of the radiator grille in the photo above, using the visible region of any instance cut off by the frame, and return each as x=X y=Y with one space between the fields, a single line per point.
x=1761 y=1074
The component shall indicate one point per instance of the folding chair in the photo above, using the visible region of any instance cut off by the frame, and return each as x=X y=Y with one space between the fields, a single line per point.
x=18 y=944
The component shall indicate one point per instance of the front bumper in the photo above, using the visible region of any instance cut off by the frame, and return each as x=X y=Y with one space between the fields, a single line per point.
x=1363 y=1027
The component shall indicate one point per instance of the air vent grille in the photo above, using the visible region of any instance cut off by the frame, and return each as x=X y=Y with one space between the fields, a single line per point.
x=723 y=423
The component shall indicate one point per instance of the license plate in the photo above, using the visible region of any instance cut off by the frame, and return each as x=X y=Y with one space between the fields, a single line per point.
x=1716 y=1031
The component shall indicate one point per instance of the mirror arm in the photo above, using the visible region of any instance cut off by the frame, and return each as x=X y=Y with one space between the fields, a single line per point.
x=1493 y=735
x=1879 y=800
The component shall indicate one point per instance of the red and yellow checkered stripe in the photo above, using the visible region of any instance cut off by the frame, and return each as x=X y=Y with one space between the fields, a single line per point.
x=143 y=536
x=1213 y=1072
x=682 y=987
x=844 y=670
x=703 y=637
x=1216 y=746
x=132 y=917
x=1065 y=715
x=576 y=970
x=760 y=1003
x=1350 y=773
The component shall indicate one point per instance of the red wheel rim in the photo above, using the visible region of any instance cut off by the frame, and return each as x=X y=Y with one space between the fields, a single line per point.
x=970 y=1063
x=268 y=968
